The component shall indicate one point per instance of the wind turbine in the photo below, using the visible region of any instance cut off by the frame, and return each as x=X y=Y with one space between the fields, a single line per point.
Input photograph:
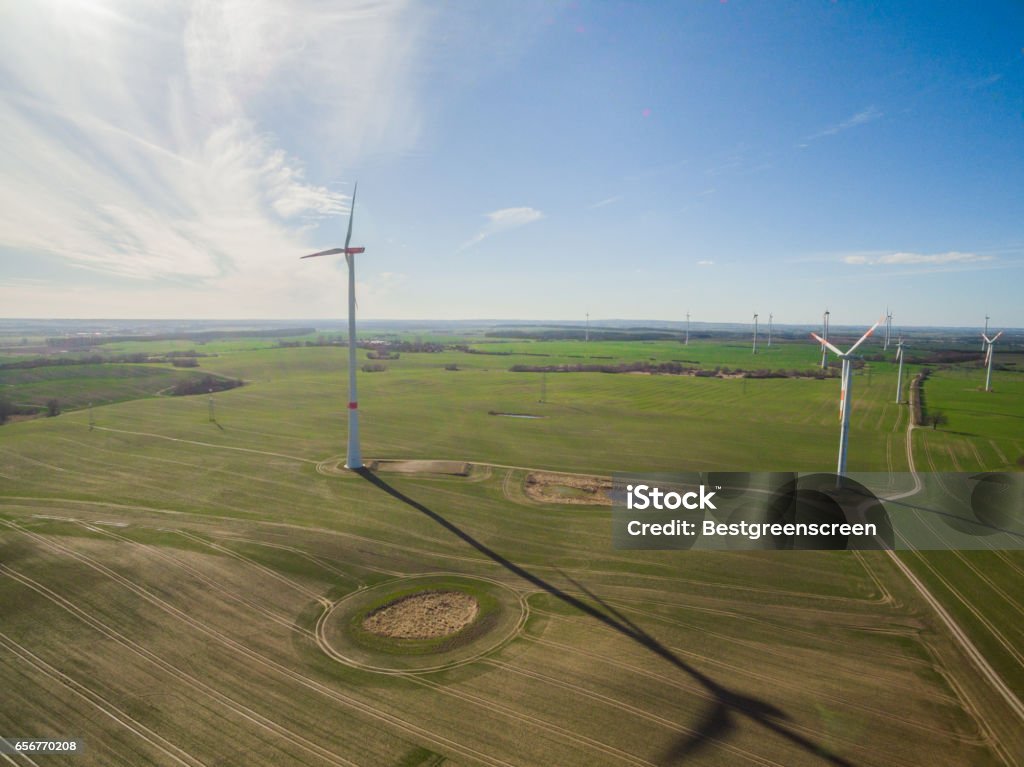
x=687 y=341
x=888 y=327
x=755 y=333
x=899 y=375
x=845 y=391
x=824 y=333
x=988 y=358
x=983 y=347
x=586 y=337
x=770 y=316
x=354 y=459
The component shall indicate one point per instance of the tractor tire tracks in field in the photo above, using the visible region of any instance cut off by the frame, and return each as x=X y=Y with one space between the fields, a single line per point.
x=957 y=633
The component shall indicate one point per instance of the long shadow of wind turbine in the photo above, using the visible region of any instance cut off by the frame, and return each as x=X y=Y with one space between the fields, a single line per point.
x=718 y=722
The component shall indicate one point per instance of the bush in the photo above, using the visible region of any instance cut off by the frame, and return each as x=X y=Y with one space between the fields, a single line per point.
x=203 y=384
x=374 y=368
x=52 y=408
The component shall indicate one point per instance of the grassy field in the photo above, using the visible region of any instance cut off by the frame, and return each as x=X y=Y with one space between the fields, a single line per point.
x=166 y=579
x=699 y=353
x=77 y=386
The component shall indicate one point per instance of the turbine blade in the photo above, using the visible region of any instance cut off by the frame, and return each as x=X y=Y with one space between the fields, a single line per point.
x=351 y=214
x=987 y=339
x=995 y=337
x=864 y=337
x=330 y=252
x=825 y=343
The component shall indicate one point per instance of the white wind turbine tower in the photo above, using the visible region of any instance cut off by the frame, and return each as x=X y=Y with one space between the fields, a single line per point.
x=899 y=375
x=888 y=327
x=845 y=392
x=770 y=316
x=824 y=334
x=687 y=341
x=983 y=346
x=755 y=333
x=354 y=459
x=988 y=358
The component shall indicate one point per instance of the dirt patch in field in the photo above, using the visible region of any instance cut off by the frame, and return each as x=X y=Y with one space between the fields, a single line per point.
x=456 y=468
x=568 y=488
x=428 y=615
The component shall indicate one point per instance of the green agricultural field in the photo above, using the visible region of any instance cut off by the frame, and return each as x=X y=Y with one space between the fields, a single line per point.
x=76 y=386
x=985 y=429
x=175 y=590
x=985 y=432
x=799 y=355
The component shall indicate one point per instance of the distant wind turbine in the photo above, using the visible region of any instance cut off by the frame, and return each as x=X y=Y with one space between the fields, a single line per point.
x=987 y=318
x=988 y=358
x=845 y=392
x=888 y=327
x=755 y=333
x=899 y=375
x=354 y=459
x=687 y=341
x=770 y=317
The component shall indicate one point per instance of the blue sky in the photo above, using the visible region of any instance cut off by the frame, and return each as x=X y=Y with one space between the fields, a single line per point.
x=515 y=160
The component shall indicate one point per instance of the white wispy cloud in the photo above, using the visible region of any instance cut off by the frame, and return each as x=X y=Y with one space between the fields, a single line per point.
x=984 y=82
x=914 y=259
x=705 y=262
x=502 y=221
x=864 y=116
x=154 y=142
x=607 y=201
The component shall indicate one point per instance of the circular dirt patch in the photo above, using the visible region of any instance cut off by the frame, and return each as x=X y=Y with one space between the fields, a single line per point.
x=427 y=615
x=421 y=623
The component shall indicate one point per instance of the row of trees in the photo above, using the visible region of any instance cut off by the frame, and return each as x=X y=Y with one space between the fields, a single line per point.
x=203 y=385
x=921 y=416
x=674 y=368
x=8 y=409
x=179 y=359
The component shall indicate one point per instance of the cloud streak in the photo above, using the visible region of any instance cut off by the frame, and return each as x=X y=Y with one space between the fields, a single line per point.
x=864 y=116
x=502 y=221
x=915 y=259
